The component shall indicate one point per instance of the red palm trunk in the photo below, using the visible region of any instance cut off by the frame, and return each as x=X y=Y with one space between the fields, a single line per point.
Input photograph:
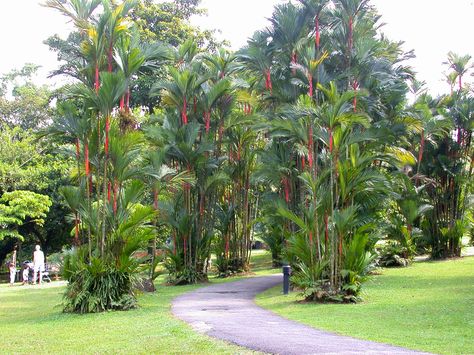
x=97 y=81
x=268 y=81
x=78 y=151
x=317 y=33
x=247 y=108
x=184 y=115
x=310 y=80
x=86 y=159
x=286 y=188
x=310 y=147
x=107 y=129
x=115 y=197
x=207 y=118
x=127 y=106
x=294 y=60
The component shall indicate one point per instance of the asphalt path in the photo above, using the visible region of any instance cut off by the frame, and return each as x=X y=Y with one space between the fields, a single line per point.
x=227 y=311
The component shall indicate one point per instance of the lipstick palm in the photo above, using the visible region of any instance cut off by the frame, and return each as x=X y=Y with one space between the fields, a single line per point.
x=258 y=57
x=79 y=11
x=103 y=101
x=179 y=91
x=132 y=57
x=315 y=12
x=460 y=65
x=309 y=68
x=288 y=32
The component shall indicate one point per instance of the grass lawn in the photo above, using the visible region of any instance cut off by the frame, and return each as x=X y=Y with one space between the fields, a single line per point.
x=428 y=306
x=32 y=322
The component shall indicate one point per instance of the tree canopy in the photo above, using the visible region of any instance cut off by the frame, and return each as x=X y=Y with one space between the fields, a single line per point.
x=19 y=207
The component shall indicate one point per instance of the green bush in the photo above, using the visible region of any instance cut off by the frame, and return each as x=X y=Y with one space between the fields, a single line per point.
x=393 y=254
x=358 y=262
x=311 y=275
x=179 y=274
x=98 y=285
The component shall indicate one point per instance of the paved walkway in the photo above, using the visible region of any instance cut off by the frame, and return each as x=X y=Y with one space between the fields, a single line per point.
x=227 y=311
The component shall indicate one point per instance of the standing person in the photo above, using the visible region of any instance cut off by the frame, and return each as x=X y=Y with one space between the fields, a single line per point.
x=38 y=264
x=12 y=267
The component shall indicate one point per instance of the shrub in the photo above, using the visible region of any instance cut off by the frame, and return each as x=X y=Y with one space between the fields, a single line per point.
x=393 y=254
x=358 y=262
x=311 y=275
x=179 y=274
x=99 y=285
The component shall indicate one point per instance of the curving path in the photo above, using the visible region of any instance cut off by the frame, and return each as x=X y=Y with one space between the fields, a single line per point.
x=227 y=311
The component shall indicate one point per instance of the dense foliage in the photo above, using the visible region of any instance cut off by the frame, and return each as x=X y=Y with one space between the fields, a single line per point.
x=28 y=163
x=304 y=139
x=19 y=206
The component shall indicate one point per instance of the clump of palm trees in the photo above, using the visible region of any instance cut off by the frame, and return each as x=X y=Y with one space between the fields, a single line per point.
x=110 y=218
x=303 y=138
x=205 y=132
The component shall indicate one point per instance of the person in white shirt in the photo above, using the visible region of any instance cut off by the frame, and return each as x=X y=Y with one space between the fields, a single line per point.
x=12 y=267
x=38 y=264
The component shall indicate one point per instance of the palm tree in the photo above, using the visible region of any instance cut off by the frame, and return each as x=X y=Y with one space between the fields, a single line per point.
x=432 y=128
x=288 y=31
x=79 y=11
x=315 y=10
x=132 y=57
x=308 y=66
x=258 y=59
x=180 y=91
x=460 y=65
x=112 y=211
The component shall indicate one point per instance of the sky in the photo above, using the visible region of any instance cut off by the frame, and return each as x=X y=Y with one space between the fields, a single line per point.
x=431 y=27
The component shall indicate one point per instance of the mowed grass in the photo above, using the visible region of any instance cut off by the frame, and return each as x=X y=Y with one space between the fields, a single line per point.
x=31 y=321
x=428 y=306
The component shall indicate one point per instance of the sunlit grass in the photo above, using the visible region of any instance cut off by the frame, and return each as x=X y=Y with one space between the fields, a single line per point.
x=31 y=321
x=428 y=306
